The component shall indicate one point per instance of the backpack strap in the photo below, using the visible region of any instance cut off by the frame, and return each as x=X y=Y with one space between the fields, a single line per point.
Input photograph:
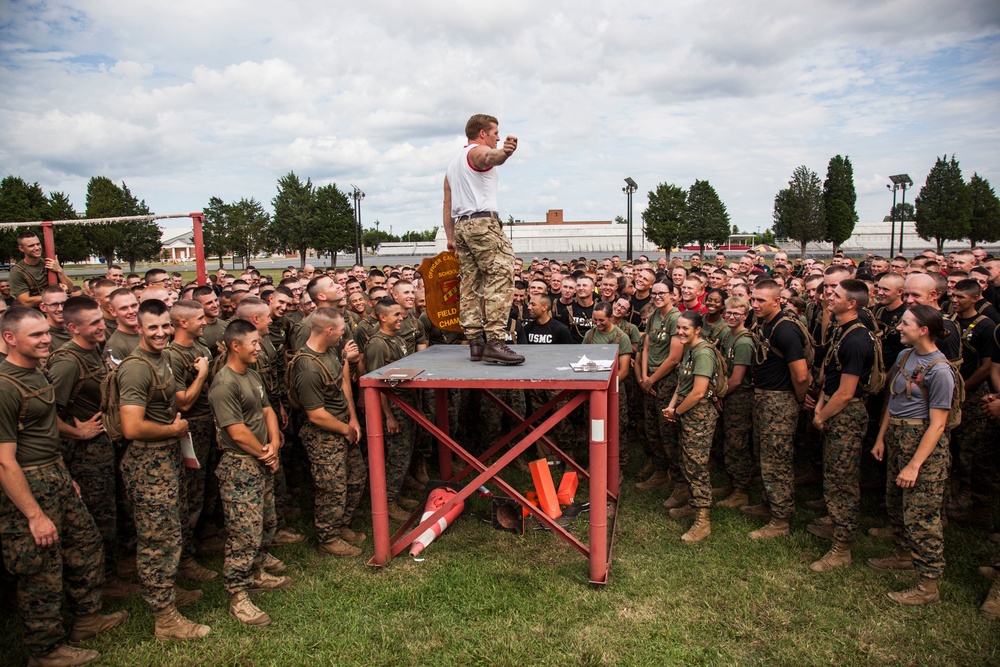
x=84 y=373
x=157 y=385
x=27 y=393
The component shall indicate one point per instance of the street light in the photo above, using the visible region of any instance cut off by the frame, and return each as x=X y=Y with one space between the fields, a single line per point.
x=898 y=181
x=630 y=187
x=358 y=195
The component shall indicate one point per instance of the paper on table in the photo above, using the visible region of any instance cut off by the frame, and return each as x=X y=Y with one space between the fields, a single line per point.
x=187 y=451
x=590 y=365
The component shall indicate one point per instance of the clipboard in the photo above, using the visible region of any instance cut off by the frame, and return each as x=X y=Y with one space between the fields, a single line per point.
x=394 y=375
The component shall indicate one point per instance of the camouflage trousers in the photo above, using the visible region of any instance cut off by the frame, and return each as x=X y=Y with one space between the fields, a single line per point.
x=195 y=479
x=977 y=466
x=632 y=434
x=493 y=417
x=697 y=430
x=75 y=563
x=158 y=494
x=247 y=490
x=775 y=416
x=915 y=512
x=398 y=451
x=842 y=468
x=485 y=259
x=338 y=473
x=91 y=464
x=661 y=435
x=737 y=422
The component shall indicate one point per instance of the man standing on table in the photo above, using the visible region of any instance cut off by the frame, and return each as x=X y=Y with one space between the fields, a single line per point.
x=475 y=234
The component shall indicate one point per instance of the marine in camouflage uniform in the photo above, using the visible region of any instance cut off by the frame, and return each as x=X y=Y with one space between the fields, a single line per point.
x=697 y=423
x=73 y=560
x=616 y=337
x=661 y=439
x=319 y=382
x=737 y=416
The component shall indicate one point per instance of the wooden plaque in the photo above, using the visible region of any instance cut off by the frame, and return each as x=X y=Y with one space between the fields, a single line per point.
x=441 y=283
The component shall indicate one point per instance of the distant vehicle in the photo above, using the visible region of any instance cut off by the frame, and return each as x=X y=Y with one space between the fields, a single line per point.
x=5 y=266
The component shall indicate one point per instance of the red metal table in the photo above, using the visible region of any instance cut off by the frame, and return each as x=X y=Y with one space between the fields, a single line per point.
x=445 y=367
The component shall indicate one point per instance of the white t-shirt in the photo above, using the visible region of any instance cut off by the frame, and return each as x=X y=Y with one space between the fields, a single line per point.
x=472 y=190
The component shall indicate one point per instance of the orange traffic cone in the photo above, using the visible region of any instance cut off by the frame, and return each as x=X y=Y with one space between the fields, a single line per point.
x=437 y=498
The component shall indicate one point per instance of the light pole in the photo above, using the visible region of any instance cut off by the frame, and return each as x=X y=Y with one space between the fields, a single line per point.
x=898 y=181
x=630 y=187
x=904 y=182
x=358 y=195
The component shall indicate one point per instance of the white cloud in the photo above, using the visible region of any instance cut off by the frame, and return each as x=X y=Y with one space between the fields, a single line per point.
x=738 y=93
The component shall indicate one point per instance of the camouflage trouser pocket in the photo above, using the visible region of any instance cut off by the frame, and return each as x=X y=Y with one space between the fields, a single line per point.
x=21 y=555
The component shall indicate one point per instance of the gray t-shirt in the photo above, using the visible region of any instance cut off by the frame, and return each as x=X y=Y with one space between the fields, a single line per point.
x=940 y=382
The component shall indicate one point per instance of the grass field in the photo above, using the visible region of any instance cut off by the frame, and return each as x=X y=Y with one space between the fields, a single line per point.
x=482 y=597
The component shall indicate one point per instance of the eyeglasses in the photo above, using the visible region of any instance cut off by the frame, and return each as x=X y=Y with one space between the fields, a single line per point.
x=734 y=313
x=656 y=294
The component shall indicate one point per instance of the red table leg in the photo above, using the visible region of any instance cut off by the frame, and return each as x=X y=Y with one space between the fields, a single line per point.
x=613 y=427
x=376 y=475
x=598 y=487
x=441 y=410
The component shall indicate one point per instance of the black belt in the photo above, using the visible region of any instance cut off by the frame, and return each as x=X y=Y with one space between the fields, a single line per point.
x=480 y=214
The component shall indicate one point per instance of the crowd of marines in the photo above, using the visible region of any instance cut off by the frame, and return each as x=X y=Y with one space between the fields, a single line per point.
x=146 y=422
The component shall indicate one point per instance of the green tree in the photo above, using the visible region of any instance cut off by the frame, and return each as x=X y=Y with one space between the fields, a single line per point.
x=424 y=236
x=984 y=225
x=707 y=220
x=292 y=227
x=248 y=223
x=71 y=241
x=334 y=220
x=944 y=205
x=798 y=209
x=839 y=187
x=619 y=220
x=215 y=230
x=372 y=237
x=19 y=202
x=904 y=212
x=142 y=240
x=664 y=216
x=130 y=240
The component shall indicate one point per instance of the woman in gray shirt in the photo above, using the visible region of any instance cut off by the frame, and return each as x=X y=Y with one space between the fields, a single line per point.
x=913 y=439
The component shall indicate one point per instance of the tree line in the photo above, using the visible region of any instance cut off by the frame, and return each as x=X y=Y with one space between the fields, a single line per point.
x=306 y=217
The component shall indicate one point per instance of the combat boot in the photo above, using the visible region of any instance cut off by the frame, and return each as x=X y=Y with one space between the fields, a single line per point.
x=90 y=625
x=265 y=581
x=723 y=491
x=184 y=597
x=897 y=560
x=737 y=499
x=646 y=470
x=774 y=528
x=683 y=512
x=170 y=625
x=988 y=572
x=838 y=556
x=338 y=547
x=761 y=511
x=274 y=565
x=701 y=529
x=991 y=608
x=117 y=589
x=397 y=513
x=659 y=480
x=349 y=535
x=681 y=494
x=407 y=503
x=497 y=352
x=822 y=529
x=925 y=592
x=245 y=611
x=191 y=569
x=64 y=656
x=287 y=536
x=882 y=532
x=212 y=546
x=476 y=347
x=420 y=470
x=818 y=504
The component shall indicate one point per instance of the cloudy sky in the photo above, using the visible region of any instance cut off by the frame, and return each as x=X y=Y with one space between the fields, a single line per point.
x=185 y=100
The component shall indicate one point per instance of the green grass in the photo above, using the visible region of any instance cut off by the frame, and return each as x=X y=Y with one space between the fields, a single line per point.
x=483 y=597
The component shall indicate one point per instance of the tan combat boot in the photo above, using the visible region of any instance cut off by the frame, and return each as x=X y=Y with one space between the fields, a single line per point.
x=191 y=569
x=273 y=565
x=286 y=536
x=89 y=626
x=988 y=572
x=349 y=535
x=245 y=611
x=397 y=513
x=659 y=480
x=64 y=656
x=723 y=491
x=118 y=589
x=701 y=529
x=838 y=556
x=822 y=527
x=170 y=625
x=882 y=532
x=681 y=494
x=897 y=560
x=646 y=470
x=761 y=511
x=737 y=499
x=925 y=592
x=991 y=608
x=338 y=547
x=774 y=528
x=184 y=597
x=265 y=581
x=420 y=470
x=683 y=512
